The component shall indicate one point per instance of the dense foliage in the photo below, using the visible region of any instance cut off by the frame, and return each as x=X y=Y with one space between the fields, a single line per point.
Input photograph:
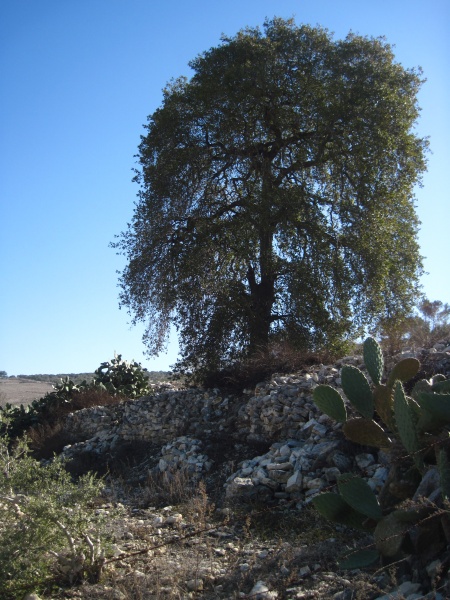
x=427 y=324
x=47 y=532
x=276 y=196
x=117 y=377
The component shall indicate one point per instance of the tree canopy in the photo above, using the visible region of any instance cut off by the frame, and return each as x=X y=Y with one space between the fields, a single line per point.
x=276 y=196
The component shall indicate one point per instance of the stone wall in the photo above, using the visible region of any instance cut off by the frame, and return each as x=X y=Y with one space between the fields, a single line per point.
x=277 y=410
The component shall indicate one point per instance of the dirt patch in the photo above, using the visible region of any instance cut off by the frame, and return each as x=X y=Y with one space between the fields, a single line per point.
x=16 y=390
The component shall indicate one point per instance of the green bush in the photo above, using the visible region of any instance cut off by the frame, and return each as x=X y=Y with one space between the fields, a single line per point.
x=122 y=377
x=47 y=532
x=117 y=377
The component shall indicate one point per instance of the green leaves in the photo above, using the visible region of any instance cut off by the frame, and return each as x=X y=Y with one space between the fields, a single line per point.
x=238 y=237
x=119 y=376
x=44 y=517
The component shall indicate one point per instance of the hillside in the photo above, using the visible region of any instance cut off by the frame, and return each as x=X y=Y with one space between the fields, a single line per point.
x=208 y=495
x=23 y=389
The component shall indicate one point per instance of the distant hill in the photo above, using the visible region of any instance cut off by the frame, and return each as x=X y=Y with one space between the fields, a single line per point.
x=23 y=389
x=77 y=378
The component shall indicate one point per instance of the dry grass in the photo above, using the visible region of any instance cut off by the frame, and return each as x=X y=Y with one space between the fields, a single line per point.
x=278 y=358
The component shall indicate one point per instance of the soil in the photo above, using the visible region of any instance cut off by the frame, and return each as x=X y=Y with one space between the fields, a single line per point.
x=17 y=390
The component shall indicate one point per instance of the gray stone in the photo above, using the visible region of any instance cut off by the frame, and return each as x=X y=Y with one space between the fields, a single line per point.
x=240 y=486
x=364 y=460
x=430 y=482
x=295 y=482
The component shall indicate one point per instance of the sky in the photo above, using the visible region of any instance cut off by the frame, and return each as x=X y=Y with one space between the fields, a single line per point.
x=78 y=79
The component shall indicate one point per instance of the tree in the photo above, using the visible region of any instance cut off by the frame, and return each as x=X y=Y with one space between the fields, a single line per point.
x=431 y=325
x=276 y=196
x=427 y=324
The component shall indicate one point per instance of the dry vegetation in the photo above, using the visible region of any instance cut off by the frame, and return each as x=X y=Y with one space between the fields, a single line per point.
x=172 y=541
x=17 y=390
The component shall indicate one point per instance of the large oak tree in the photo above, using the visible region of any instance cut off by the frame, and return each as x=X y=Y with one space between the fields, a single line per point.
x=276 y=196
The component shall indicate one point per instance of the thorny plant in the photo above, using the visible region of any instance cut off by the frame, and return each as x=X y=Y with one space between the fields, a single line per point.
x=47 y=531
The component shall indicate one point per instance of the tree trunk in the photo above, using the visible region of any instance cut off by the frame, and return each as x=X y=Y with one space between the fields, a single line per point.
x=262 y=296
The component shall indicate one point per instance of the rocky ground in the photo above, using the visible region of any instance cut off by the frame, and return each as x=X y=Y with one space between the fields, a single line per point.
x=174 y=539
x=224 y=511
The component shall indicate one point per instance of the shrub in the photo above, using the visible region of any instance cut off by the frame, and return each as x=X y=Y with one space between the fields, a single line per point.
x=112 y=382
x=122 y=377
x=46 y=529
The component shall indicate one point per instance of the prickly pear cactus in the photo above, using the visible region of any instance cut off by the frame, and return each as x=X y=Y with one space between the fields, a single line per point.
x=391 y=530
x=359 y=495
x=423 y=385
x=357 y=389
x=384 y=405
x=437 y=404
x=373 y=359
x=330 y=402
x=367 y=433
x=406 y=421
x=404 y=370
x=441 y=386
x=359 y=559
x=334 y=508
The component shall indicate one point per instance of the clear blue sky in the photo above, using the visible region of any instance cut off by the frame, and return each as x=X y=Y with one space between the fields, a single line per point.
x=78 y=79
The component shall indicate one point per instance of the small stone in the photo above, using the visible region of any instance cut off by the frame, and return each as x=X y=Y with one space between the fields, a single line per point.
x=194 y=585
x=364 y=460
x=139 y=575
x=295 y=482
x=279 y=476
x=315 y=484
x=331 y=474
x=434 y=568
x=304 y=571
x=176 y=518
x=406 y=589
x=260 y=591
x=341 y=461
x=240 y=486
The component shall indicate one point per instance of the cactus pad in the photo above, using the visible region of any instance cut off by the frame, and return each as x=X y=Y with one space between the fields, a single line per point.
x=334 y=508
x=390 y=532
x=357 y=389
x=441 y=386
x=330 y=402
x=373 y=359
x=359 y=559
x=444 y=472
x=406 y=420
x=404 y=370
x=357 y=492
x=366 y=432
x=438 y=405
x=423 y=385
x=384 y=404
